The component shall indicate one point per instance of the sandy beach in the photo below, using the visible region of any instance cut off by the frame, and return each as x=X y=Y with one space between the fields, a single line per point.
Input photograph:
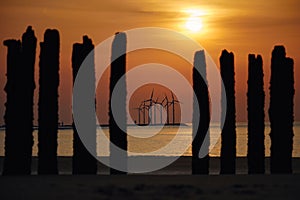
x=172 y=182
x=181 y=166
x=151 y=187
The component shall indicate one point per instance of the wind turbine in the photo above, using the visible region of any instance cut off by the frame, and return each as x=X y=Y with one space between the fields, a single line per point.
x=149 y=106
x=173 y=106
x=166 y=106
x=139 y=109
x=143 y=108
x=155 y=103
x=161 y=107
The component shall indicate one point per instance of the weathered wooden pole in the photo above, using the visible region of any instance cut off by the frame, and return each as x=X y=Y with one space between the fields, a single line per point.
x=256 y=115
x=200 y=124
x=228 y=135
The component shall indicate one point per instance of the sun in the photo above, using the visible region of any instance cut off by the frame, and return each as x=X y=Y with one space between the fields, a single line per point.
x=194 y=24
x=194 y=21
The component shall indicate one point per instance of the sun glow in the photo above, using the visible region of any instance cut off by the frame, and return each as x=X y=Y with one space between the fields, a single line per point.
x=194 y=22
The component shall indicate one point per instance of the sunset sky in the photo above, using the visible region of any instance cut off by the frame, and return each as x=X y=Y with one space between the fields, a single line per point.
x=242 y=27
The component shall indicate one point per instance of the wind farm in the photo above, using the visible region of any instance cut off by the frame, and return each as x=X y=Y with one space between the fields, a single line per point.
x=158 y=111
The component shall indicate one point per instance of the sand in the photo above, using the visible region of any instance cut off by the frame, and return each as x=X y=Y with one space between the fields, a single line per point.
x=169 y=183
x=182 y=166
x=151 y=187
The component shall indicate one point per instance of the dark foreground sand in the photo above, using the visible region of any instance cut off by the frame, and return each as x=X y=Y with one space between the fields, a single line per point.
x=171 y=182
x=182 y=166
x=151 y=187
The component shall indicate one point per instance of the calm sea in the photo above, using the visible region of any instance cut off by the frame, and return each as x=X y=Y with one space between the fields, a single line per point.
x=152 y=140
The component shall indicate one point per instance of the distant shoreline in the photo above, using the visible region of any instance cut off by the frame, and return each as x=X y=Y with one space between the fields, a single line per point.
x=68 y=126
x=107 y=125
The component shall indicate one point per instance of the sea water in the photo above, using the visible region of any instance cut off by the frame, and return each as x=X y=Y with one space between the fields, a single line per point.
x=161 y=141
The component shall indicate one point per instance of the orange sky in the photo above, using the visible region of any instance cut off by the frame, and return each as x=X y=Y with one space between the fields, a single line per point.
x=239 y=26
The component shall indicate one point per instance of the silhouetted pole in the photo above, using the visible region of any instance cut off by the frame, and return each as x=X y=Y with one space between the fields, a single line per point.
x=83 y=161
x=200 y=128
x=29 y=43
x=19 y=105
x=281 y=112
x=48 y=103
x=256 y=115
x=14 y=162
x=228 y=135
x=117 y=131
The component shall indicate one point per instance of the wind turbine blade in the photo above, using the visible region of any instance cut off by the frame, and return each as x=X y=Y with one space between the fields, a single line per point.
x=176 y=101
x=163 y=101
x=166 y=97
x=152 y=94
